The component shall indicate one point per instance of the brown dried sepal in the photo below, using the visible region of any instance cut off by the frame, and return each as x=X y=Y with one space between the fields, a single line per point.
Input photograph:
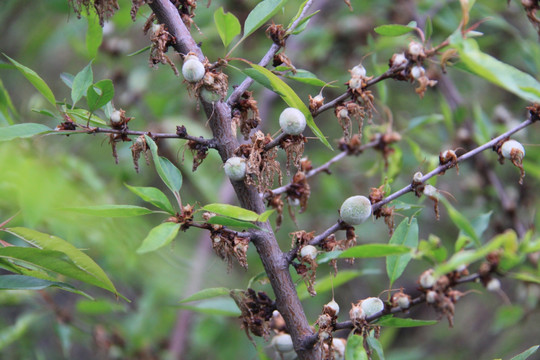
x=228 y=246
x=123 y=123
x=326 y=323
x=360 y=94
x=246 y=114
x=161 y=40
x=344 y=112
x=397 y=298
x=307 y=267
x=138 y=147
x=261 y=165
x=376 y=195
x=135 y=5
x=448 y=156
x=331 y=244
x=516 y=157
x=281 y=58
x=294 y=149
x=275 y=202
x=103 y=8
x=423 y=83
x=352 y=147
x=67 y=125
x=199 y=152
x=384 y=142
x=315 y=102
x=534 y=112
x=257 y=309
x=276 y=33
x=299 y=190
x=186 y=9
x=531 y=8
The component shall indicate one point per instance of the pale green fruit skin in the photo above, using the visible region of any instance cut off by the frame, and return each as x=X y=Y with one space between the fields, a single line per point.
x=372 y=305
x=235 y=168
x=509 y=145
x=283 y=343
x=309 y=251
x=292 y=121
x=355 y=210
x=209 y=96
x=193 y=70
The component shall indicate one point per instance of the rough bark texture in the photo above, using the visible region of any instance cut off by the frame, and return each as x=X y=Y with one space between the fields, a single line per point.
x=271 y=255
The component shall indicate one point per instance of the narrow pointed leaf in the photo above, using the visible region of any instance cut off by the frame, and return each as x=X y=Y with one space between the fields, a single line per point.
x=231 y=223
x=169 y=174
x=154 y=196
x=94 y=35
x=235 y=212
x=81 y=82
x=405 y=234
x=35 y=80
x=24 y=282
x=390 y=321
x=207 y=294
x=111 y=210
x=22 y=131
x=526 y=354
x=265 y=215
x=158 y=237
x=227 y=25
x=99 y=94
x=217 y=306
x=393 y=30
x=261 y=14
x=326 y=283
x=374 y=250
x=461 y=222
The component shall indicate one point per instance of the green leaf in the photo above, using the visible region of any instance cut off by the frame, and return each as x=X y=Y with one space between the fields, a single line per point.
x=261 y=14
x=6 y=105
x=266 y=78
x=306 y=77
x=207 y=294
x=235 y=212
x=158 y=237
x=393 y=30
x=23 y=282
x=473 y=60
x=67 y=79
x=82 y=115
x=428 y=28
x=227 y=25
x=94 y=35
x=231 y=223
x=405 y=234
x=35 y=80
x=154 y=196
x=325 y=284
x=391 y=321
x=81 y=82
x=22 y=131
x=374 y=250
x=80 y=259
x=524 y=355
x=110 y=210
x=507 y=316
x=461 y=221
x=140 y=51
x=98 y=307
x=10 y=334
x=265 y=215
x=217 y=306
x=55 y=261
x=355 y=348
x=99 y=94
x=169 y=174
x=376 y=346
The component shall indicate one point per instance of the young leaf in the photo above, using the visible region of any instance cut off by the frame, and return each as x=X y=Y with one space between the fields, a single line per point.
x=265 y=215
x=81 y=82
x=169 y=174
x=207 y=294
x=99 y=307
x=158 y=237
x=461 y=222
x=80 y=259
x=6 y=105
x=10 y=334
x=110 y=210
x=217 y=306
x=306 y=77
x=94 y=35
x=506 y=76
x=374 y=250
x=355 y=348
x=99 y=94
x=428 y=28
x=525 y=355
x=35 y=80
x=227 y=25
x=232 y=211
x=23 y=282
x=391 y=321
x=376 y=346
x=261 y=14
x=405 y=234
x=82 y=115
x=231 y=223
x=22 y=131
x=154 y=196
x=266 y=78
x=393 y=30
x=326 y=283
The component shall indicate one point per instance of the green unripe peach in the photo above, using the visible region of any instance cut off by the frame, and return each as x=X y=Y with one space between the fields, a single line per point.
x=292 y=121
x=355 y=210
x=235 y=168
x=193 y=70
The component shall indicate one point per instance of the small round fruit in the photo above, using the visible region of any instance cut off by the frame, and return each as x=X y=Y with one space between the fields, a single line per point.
x=209 y=96
x=339 y=345
x=512 y=146
x=355 y=82
x=292 y=121
x=399 y=59
x=333 y=305
x=372 y=305
x=427 y=280
x=417 y=72
x=235 y=168
x=359 y=71
x=415 y=48
x=193 y=70
x=283 y=343
x=355 y=210
x=116 y=117
x=431 y=297
x=430 y=191
x=403 y=302
x=309 y=252
x=493 y=285
x=417 y=177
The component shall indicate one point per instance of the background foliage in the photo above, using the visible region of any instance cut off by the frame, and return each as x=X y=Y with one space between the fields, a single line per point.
x=42 y=175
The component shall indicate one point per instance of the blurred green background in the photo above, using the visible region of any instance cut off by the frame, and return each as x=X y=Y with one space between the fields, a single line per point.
x=40 y=176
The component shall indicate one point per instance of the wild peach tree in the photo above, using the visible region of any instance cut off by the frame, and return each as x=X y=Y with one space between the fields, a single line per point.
x=268 y=157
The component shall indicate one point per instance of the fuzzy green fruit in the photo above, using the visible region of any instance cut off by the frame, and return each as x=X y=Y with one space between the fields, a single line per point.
x=193 y=70
x=355 y=210
x=292 y=121
x=235 y=168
